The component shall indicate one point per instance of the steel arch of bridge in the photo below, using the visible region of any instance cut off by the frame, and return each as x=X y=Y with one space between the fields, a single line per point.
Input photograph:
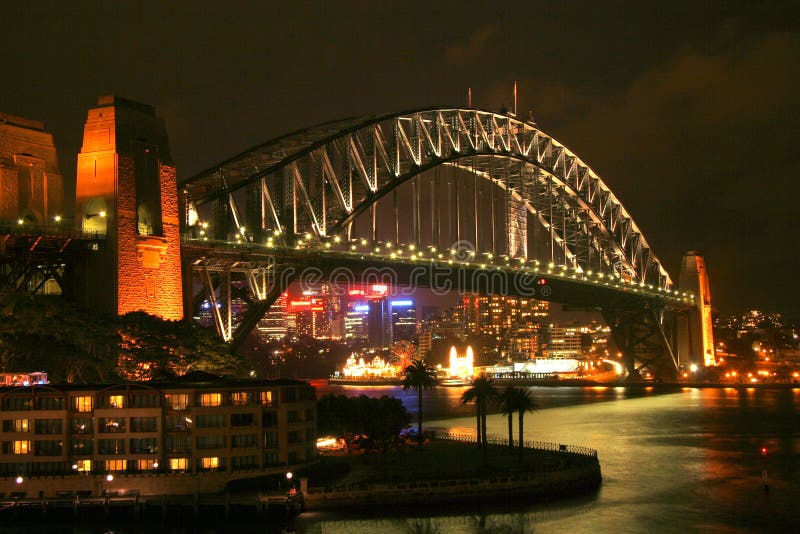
x=318 y=180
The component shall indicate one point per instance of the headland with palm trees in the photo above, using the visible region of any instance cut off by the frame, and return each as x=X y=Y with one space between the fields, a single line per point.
x=442 y=467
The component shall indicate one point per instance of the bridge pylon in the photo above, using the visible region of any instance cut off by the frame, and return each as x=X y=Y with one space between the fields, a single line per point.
x=695 y=328
x=126 y=189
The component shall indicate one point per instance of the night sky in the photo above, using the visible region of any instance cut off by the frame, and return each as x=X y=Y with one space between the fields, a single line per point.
x=690 y=111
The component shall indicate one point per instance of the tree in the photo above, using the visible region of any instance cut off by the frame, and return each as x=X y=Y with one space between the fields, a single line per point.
x=45 y=333
x=508 y=407
x=481 y=393
x=520 y=400
x=380 y=419
x=420 y=376
x=153 y=348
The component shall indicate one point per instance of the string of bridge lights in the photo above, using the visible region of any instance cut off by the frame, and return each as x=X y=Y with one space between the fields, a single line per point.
x=410 y=252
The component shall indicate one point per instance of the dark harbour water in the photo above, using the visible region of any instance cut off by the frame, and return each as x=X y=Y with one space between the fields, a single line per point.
x=685 y=460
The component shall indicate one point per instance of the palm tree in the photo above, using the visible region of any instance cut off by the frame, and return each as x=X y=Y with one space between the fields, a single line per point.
x=523 y=402
x=481 y=393
x=508 y=406
x=419 y=375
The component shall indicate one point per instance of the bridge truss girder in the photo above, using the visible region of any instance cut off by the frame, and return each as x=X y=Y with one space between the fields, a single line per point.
x=643 y=335
x=317 y=181
x=31 y=257
x=223 y=283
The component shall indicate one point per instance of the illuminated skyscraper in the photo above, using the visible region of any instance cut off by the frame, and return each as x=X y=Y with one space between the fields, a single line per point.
x=379 y=327
x=404 y=320
x=355 y=320
x=513 y=321
x=273 y=325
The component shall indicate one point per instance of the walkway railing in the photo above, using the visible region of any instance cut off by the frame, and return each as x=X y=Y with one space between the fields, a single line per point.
x=48 y=230
x=534 y=445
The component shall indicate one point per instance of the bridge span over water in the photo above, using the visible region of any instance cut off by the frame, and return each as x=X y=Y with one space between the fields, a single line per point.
x=446 y=198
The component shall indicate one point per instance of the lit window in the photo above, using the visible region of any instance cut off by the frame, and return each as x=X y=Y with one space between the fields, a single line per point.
x=240 y=398
x=211 y=399
x=21 y=425
x=83 y=404
x=116 y=401
x=177 y=401
x=22 y=447
x=210 y=463
x=147 y=465
x=266 y=398
x=116 y=465
x=177 y=464
x=83 y=466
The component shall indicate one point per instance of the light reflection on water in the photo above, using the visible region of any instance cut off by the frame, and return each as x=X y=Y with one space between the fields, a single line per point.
x=685 y=460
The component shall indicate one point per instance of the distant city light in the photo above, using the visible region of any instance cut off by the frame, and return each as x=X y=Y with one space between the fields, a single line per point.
x=380 y=289
x=402 y=303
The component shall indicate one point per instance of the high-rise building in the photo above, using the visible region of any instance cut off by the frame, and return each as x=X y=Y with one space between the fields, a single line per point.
x=563 y=342
x=355 y=321
x=379 y=322
x=512 y=320
x=273 y=325
x=424 y=343
x=404 y=320
x=306 y=316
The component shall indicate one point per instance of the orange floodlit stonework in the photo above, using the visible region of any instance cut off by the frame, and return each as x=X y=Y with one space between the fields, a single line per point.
x=126 y=189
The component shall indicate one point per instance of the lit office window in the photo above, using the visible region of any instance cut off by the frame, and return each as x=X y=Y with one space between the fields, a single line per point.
x=178 y=464
x=21 y=425
x=210 y=463
x=211 y=399
x=83 y=404
x=83 y=466
x=147 y=465
x=116 y=465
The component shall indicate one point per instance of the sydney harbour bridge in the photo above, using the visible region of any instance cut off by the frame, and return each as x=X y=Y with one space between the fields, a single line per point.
x=449 y=199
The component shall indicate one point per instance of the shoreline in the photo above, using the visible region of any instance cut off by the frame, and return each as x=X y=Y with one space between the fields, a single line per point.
x=573 y=382
x=548 y=470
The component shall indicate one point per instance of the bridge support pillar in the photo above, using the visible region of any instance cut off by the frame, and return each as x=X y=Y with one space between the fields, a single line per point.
x=126 y=189
x=695 y=329
x=642 y=335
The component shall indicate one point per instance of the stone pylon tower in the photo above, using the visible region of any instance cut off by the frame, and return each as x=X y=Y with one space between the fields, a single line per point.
x=126 y=189
x=31 y=185
x=695 y=329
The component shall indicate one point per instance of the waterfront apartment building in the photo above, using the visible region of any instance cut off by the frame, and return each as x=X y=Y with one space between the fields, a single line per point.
x=564 y=341
x=194 y=433
x=513 y=321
